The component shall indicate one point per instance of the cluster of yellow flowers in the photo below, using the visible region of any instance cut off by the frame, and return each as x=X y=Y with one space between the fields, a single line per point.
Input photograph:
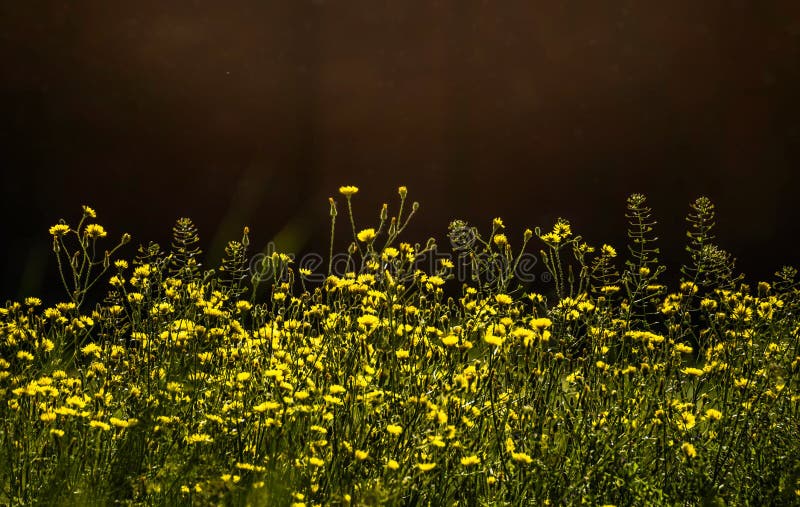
x=368 y=388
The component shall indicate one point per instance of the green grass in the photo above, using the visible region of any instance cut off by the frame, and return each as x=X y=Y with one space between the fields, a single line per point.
x=228 y=386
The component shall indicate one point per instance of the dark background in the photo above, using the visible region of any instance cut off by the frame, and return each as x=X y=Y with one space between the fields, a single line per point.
x=237 y=113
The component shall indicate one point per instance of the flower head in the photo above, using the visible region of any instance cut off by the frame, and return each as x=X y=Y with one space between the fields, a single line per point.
x=366 y=235
x=470 y=460
x=425 y=467
x=348 y=190
x=94 y=231
x=59 y=230
x=394 y=429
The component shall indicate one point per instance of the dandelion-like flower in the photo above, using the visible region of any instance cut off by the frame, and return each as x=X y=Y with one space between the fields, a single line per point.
x=366 y=235
x=94 y=231
x=348 y=190
x=59 y=230
x=470 y=460
x=426 y=467
x=521 y=457
x=394 y=429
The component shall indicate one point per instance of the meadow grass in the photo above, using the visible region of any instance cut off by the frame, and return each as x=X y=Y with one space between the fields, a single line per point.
x=251 y=385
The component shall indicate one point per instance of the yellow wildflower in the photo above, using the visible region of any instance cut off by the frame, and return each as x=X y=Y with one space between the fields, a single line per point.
x=366 y=235
x=503 y=299
x=394 y=429
x=521 y=457
x=426 y=467
x=59 y=230
x=470 y=460
x=94 y=231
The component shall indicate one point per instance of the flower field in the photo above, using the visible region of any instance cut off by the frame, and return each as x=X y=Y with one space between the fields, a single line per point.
x=251 y=384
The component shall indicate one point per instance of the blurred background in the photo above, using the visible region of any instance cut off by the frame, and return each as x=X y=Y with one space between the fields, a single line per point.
x=255 y=112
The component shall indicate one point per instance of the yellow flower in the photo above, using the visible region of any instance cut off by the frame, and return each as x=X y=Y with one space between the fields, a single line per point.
x=562 y=228
x=708 y=304
x=491 y=339
x=609 y=251
x=692 y=371
x=33 y=301
x=541 y=323
x=521 y=457
x=392 y=465
x=59 y=230
x=337 y=389
x=500 y=239
x=121 y=423
x=198 y=438
x=689 y=450
x=24 y=355
x=368 y=320
x=361 y=455
x=436 y=281
x=92 y=349
x=89 y=212
x=94 y=231
x=450 y=340
x=366 y=235
x=503 y=299
x=470 y=460
x=425 y=467
x=99 y=424
x=394 y=429
x=713 y=414
x=267 y=405
x=686 y=421
x=348 y=190
x=316 y=462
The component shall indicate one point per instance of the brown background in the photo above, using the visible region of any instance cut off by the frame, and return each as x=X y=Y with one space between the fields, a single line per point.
x=254 y=113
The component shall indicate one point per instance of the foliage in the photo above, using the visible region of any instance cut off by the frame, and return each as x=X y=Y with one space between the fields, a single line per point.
x=374 y=387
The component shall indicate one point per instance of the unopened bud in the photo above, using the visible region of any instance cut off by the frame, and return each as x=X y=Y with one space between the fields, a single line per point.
x=527 y=235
